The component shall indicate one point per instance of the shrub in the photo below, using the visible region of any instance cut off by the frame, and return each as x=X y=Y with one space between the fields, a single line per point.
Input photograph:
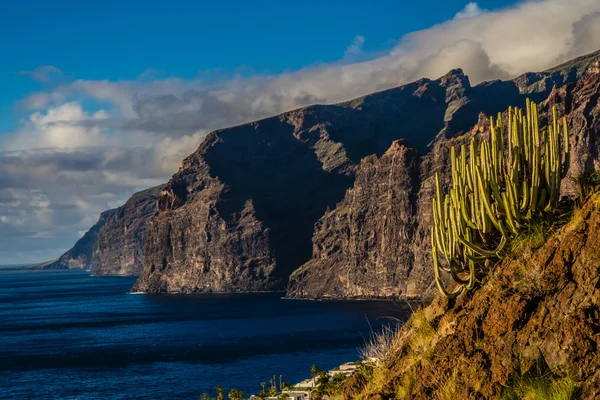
x=495 y=191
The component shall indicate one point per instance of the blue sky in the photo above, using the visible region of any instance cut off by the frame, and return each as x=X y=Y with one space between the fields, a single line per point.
x=102 y=99
x=118 y=40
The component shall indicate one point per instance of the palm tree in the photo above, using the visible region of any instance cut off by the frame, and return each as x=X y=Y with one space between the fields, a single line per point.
x=220 y=394
x=314 y=372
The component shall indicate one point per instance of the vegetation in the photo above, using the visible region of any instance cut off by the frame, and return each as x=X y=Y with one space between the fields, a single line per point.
x=541 y=384
x=235 y=394
x=381 y=344
x=495 y=192
x=589 y=183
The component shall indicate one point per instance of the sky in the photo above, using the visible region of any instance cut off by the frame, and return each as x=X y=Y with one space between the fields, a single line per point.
x=102 y=99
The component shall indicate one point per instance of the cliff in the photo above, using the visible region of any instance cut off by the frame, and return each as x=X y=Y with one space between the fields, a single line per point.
x=532 y=327
x=340 y=194
x=375 y=242
x=120 y=242
x=81 y=254
x=115 y=244
x=240 y=213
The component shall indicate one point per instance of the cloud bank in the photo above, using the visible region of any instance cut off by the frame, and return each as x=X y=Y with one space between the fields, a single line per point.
x=86 y=145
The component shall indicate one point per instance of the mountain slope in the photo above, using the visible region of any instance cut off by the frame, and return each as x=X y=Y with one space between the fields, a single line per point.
x=81 y=254
x=534 y=322
x=115 y=244
x=376 y=244
x=240 y=213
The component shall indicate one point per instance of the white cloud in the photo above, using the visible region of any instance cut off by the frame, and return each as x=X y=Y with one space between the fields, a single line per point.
x=356 y=47
x=471 y=10
x=65 y=164
x=45 y=73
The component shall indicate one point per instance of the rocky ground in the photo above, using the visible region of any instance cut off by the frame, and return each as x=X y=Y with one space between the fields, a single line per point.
x=535 y=320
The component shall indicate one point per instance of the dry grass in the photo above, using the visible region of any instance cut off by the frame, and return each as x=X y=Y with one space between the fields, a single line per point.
x=383 y=345
x=467 y=378
x=541 y=388
x=527 y=283
x=404 y=388
x=422 y=335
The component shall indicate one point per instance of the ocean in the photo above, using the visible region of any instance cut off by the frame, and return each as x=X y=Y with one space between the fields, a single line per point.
x=68 y=335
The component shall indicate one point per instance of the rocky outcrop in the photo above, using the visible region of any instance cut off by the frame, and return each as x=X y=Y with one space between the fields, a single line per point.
x=537 y=314
x=115 y=244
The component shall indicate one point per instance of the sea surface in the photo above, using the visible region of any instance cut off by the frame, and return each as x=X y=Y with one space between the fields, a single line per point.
x=68 y=335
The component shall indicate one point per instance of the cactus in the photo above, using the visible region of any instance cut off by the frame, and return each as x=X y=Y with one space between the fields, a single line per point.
x=504 y=182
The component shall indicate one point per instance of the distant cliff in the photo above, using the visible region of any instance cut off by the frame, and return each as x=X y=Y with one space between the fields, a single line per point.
x=120 y=246
x=80 y=255
x=115 y=244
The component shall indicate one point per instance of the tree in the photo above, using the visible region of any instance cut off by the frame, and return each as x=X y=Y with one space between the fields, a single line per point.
x=314 y=372
x=235 y=394
x=284 y=396
x=220 y=394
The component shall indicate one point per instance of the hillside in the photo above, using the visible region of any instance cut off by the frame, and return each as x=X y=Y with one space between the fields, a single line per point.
x=532 y=329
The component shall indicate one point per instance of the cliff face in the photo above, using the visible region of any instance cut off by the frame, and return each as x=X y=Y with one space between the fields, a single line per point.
x=81 y=254
x=363 y=247
x=352 y=257
x=537 y=315
x=120 y=242
x=240 y=213
x=115 y=245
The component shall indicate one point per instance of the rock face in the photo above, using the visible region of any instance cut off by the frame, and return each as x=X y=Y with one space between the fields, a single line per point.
x=540 y=307
x=240 y=213
x=363 y=247
x=120 y=244
x=352 y=257
x=81 y=254
x=115 y=245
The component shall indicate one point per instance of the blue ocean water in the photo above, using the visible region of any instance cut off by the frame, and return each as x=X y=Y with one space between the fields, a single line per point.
x=68 y=335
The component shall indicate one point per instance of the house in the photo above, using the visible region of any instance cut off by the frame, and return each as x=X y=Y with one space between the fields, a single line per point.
x=594 y=68
x=298 y=394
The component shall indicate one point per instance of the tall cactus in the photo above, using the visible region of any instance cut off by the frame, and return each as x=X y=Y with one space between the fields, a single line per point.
x=503 y=182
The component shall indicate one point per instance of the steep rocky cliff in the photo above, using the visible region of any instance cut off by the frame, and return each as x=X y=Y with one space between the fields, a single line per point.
x=532 y=327
x=115 y=244
x=240 y=213
x=81 y=254
x=352 y=257
x=120 y=245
